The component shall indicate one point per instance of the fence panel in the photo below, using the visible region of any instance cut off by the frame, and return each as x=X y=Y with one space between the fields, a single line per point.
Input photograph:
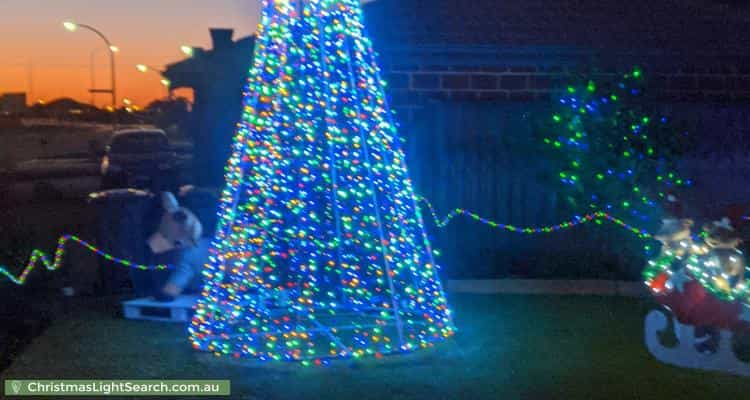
x=482 y=156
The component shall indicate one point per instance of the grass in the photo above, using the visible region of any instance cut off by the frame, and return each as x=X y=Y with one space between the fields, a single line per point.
x=508 y=347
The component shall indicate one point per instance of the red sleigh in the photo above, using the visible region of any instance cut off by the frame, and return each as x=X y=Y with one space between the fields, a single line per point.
x=692 y=307
x=704 y=323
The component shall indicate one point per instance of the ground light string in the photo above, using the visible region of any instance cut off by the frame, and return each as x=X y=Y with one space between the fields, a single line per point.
x=38 y=257
x=596 y=216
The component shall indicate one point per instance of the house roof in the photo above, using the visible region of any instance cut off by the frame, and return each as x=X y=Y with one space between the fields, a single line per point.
x=211 y=65
x=65 y=104
x=668 y=25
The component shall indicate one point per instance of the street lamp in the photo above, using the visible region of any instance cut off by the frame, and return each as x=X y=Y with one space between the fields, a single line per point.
x=164 y=81
x=92 y=60
x=129 y=106
x=73 y=27
x=187 y=50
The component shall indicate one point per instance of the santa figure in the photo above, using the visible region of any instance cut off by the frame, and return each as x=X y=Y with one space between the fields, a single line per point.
x=700 y=284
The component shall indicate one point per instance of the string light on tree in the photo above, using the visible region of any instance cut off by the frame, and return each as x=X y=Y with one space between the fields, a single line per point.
x=320 y=251
x=610 y=151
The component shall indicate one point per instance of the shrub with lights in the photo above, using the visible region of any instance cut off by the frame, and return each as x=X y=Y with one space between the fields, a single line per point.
x=610 y=151
x=606 y=148
x=320 y=251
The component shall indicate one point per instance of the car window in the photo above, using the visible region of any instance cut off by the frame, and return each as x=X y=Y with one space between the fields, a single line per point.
x=142 y=142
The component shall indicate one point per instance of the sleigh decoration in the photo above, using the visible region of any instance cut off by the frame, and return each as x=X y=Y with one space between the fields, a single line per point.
x=685 y=354
x=700 y=284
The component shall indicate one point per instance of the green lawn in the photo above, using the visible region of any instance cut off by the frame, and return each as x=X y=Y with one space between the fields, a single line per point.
x=508 y=347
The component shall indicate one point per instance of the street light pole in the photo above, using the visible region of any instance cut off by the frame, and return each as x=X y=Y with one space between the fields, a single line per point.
x=92 y=68
x=72 y=27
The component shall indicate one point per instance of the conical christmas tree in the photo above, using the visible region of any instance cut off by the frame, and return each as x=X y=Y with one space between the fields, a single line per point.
x=320 y=250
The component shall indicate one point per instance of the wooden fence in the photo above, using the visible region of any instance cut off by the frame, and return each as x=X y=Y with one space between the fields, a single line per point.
x=483 y=157
x=480 y=157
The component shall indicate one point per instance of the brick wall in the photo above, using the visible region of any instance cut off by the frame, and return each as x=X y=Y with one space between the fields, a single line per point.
x=411 y=87
x=687 y=25
x=516 y=50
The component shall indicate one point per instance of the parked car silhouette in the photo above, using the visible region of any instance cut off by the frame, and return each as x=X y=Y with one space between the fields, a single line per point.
x=139 y=158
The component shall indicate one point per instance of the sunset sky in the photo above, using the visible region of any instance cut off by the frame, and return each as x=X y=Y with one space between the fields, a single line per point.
x=39 y=57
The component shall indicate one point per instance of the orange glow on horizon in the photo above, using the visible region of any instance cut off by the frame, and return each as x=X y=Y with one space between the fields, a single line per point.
x=39 y=57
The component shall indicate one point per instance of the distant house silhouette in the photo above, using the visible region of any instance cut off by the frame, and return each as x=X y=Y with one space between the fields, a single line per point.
x=12 y=103
x=64 y=106
x=217 y=77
